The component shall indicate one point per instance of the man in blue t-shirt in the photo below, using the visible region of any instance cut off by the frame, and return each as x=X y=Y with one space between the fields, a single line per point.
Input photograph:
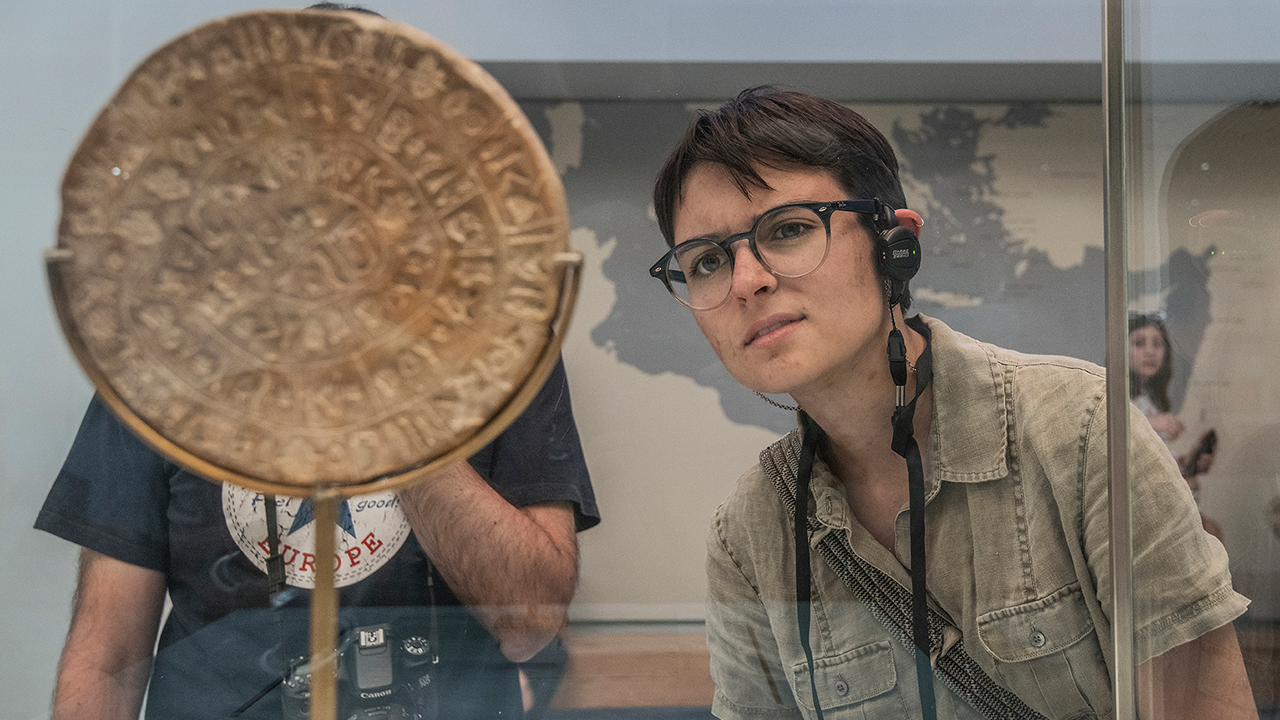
x=482 y=562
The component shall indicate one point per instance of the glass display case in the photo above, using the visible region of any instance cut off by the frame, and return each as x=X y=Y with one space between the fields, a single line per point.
x=1097 y=185
x=1194 y=138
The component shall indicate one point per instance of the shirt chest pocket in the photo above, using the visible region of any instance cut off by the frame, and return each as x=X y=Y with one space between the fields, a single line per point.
x=858 y=684
x=1049 y=644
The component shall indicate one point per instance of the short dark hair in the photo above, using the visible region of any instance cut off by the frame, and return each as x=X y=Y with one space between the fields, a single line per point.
x=781 y=129
x=342 y=7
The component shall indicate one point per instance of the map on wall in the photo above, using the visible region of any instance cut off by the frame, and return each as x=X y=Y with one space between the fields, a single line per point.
x=1011 y=196
x=1012 y=240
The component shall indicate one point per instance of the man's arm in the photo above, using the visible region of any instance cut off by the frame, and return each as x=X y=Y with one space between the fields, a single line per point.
x=516 y=568
x=1204 y=678
x=107 y=658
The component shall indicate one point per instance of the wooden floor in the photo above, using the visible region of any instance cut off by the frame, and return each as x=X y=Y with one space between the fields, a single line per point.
x=618 y=669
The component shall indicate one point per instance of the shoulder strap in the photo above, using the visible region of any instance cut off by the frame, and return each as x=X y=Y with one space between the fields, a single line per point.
x=889 y=601
x=275 y=587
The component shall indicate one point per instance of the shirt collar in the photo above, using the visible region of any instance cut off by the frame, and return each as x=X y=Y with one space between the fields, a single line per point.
x=970 y=433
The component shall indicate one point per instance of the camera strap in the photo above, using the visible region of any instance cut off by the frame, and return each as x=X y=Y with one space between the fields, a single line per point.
x=434 y=630
x=275 y=561
x=275 y=586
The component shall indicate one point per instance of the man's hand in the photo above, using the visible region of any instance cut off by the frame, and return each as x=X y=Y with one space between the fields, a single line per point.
x=1198 y=680
x=107 y=658
x=515 y=568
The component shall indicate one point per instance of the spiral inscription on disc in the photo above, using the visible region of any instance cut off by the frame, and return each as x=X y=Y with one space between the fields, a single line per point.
x=305 y=246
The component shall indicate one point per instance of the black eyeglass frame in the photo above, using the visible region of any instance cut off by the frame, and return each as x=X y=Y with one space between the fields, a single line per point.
x=882 y=215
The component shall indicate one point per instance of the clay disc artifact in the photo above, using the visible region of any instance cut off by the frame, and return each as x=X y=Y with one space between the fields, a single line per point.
x=311 y=247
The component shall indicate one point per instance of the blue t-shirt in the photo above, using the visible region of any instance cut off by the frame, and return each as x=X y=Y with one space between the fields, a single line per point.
x=220 y=643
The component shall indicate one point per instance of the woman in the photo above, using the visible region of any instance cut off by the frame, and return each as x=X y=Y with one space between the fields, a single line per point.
x=784 y=213
x=1150 y=368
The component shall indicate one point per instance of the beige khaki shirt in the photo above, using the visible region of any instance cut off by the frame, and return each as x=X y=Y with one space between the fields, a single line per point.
x=1017 y=548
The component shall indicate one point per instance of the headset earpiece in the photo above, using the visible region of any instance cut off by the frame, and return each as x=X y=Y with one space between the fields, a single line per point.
x=898 y=255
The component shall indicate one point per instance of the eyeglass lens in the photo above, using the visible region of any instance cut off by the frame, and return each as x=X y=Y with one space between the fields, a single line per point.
x=789 y=242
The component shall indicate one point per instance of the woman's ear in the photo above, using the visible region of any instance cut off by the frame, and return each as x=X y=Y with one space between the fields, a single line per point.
x=910 y=219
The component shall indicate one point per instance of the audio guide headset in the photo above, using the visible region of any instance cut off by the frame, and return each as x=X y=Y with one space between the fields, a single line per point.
x=897 y=252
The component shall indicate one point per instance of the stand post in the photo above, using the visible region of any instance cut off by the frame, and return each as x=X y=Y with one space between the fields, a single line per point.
x=324 y=609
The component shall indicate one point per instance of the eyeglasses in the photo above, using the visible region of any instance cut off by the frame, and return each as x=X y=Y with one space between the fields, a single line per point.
x=790 y=241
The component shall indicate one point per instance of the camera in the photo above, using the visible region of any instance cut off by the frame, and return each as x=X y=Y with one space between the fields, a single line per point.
x=385 y=672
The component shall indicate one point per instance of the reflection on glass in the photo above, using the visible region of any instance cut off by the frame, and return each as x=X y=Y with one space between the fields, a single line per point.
x=1216 y=284
x=1150 y=369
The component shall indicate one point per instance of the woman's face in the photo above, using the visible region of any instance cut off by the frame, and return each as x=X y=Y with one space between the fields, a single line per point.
x=1146 y=351
x=794 y=335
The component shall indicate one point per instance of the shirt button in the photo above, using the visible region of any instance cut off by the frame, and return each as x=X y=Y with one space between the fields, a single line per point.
x=1037 y=638
x=842 y=687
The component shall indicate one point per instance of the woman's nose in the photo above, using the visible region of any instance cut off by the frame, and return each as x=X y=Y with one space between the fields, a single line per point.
x=750 y=276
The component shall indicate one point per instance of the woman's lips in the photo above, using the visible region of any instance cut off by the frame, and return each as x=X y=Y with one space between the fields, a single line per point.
x=764 y=330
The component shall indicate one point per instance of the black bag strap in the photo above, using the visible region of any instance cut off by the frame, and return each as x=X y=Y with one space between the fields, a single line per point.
x=904 y=444
x=804 y=588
